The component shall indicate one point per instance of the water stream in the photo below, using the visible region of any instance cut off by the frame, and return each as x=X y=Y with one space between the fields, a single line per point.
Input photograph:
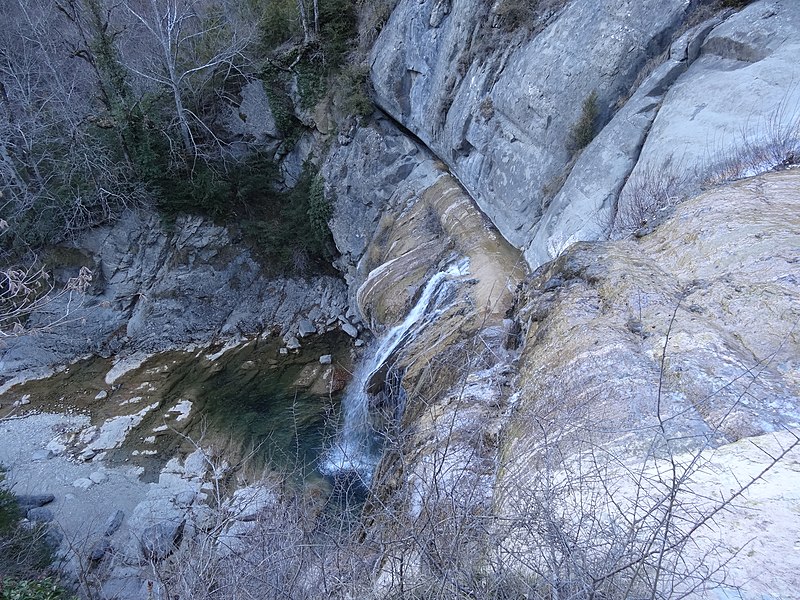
x=357 y=449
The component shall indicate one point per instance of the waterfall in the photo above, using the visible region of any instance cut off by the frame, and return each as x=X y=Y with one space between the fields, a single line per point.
x=355 y=452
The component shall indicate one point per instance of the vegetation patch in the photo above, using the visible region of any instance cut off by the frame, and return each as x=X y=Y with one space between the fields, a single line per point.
x=585 y=128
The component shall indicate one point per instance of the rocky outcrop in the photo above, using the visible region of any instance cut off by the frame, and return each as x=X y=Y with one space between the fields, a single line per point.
x=498 y=106
x=750 y=127
x=697 y=318
x=155 y=289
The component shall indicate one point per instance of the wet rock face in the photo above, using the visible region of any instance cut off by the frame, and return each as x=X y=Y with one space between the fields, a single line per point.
x=155 y=290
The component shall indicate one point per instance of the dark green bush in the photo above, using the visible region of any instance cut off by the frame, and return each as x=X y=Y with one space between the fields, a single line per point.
x=353 y=91
x=583 y=131
x=279 y=23
x=289 y=230
x=43 y=589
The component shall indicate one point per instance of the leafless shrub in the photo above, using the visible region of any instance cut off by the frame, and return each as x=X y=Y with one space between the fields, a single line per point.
x=648 y=196
x=372 y=16
x=29 y=289
x=773 y=143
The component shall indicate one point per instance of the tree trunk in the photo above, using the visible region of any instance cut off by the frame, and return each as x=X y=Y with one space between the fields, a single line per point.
x=301 y=8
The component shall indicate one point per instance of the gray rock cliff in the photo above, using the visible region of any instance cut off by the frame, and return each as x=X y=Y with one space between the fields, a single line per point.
x=155 y=289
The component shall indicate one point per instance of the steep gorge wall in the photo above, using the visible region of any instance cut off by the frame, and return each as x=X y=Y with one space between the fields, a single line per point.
x=587 y=378
x=498 y=106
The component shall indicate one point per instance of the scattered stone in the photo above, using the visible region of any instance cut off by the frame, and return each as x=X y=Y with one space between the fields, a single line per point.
x=306 y=327
x=159 y=541
x=283 y=351
x=101 y=395
x=98 y=477
x=34 y=500
x=40 y=515
x=83 y=483
x=53 y=537
x=87 y=455
x=292 y=343
x=325 y=359
x=185 y=498
x=24 y=401
x=114 y=522
x=195 y=464
x=350 y=330
x=360 y=343
x=100 y=549
x=40 y=455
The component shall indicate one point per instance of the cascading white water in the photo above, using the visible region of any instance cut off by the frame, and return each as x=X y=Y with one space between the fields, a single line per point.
x=354 y=450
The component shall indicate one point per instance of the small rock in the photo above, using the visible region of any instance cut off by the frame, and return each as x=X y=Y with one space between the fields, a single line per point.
x=306 y=327
x=283 y=351
x=113 y=523
x=635 y=326
x=159 y=541
x=350 y=330
x=196 y=464
x=553 y=283
x=185 y=498
x=101 y=395
x=83 y=483
x=360 y=343
x=40 y=515
x=87 y=454
x=98 y=477
x=53 y=537
x=205 y=518
x=292 y=343
x=325 y=359
x=34 y=500
x=100 y=549
x=24 y=401
x=42 y=455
